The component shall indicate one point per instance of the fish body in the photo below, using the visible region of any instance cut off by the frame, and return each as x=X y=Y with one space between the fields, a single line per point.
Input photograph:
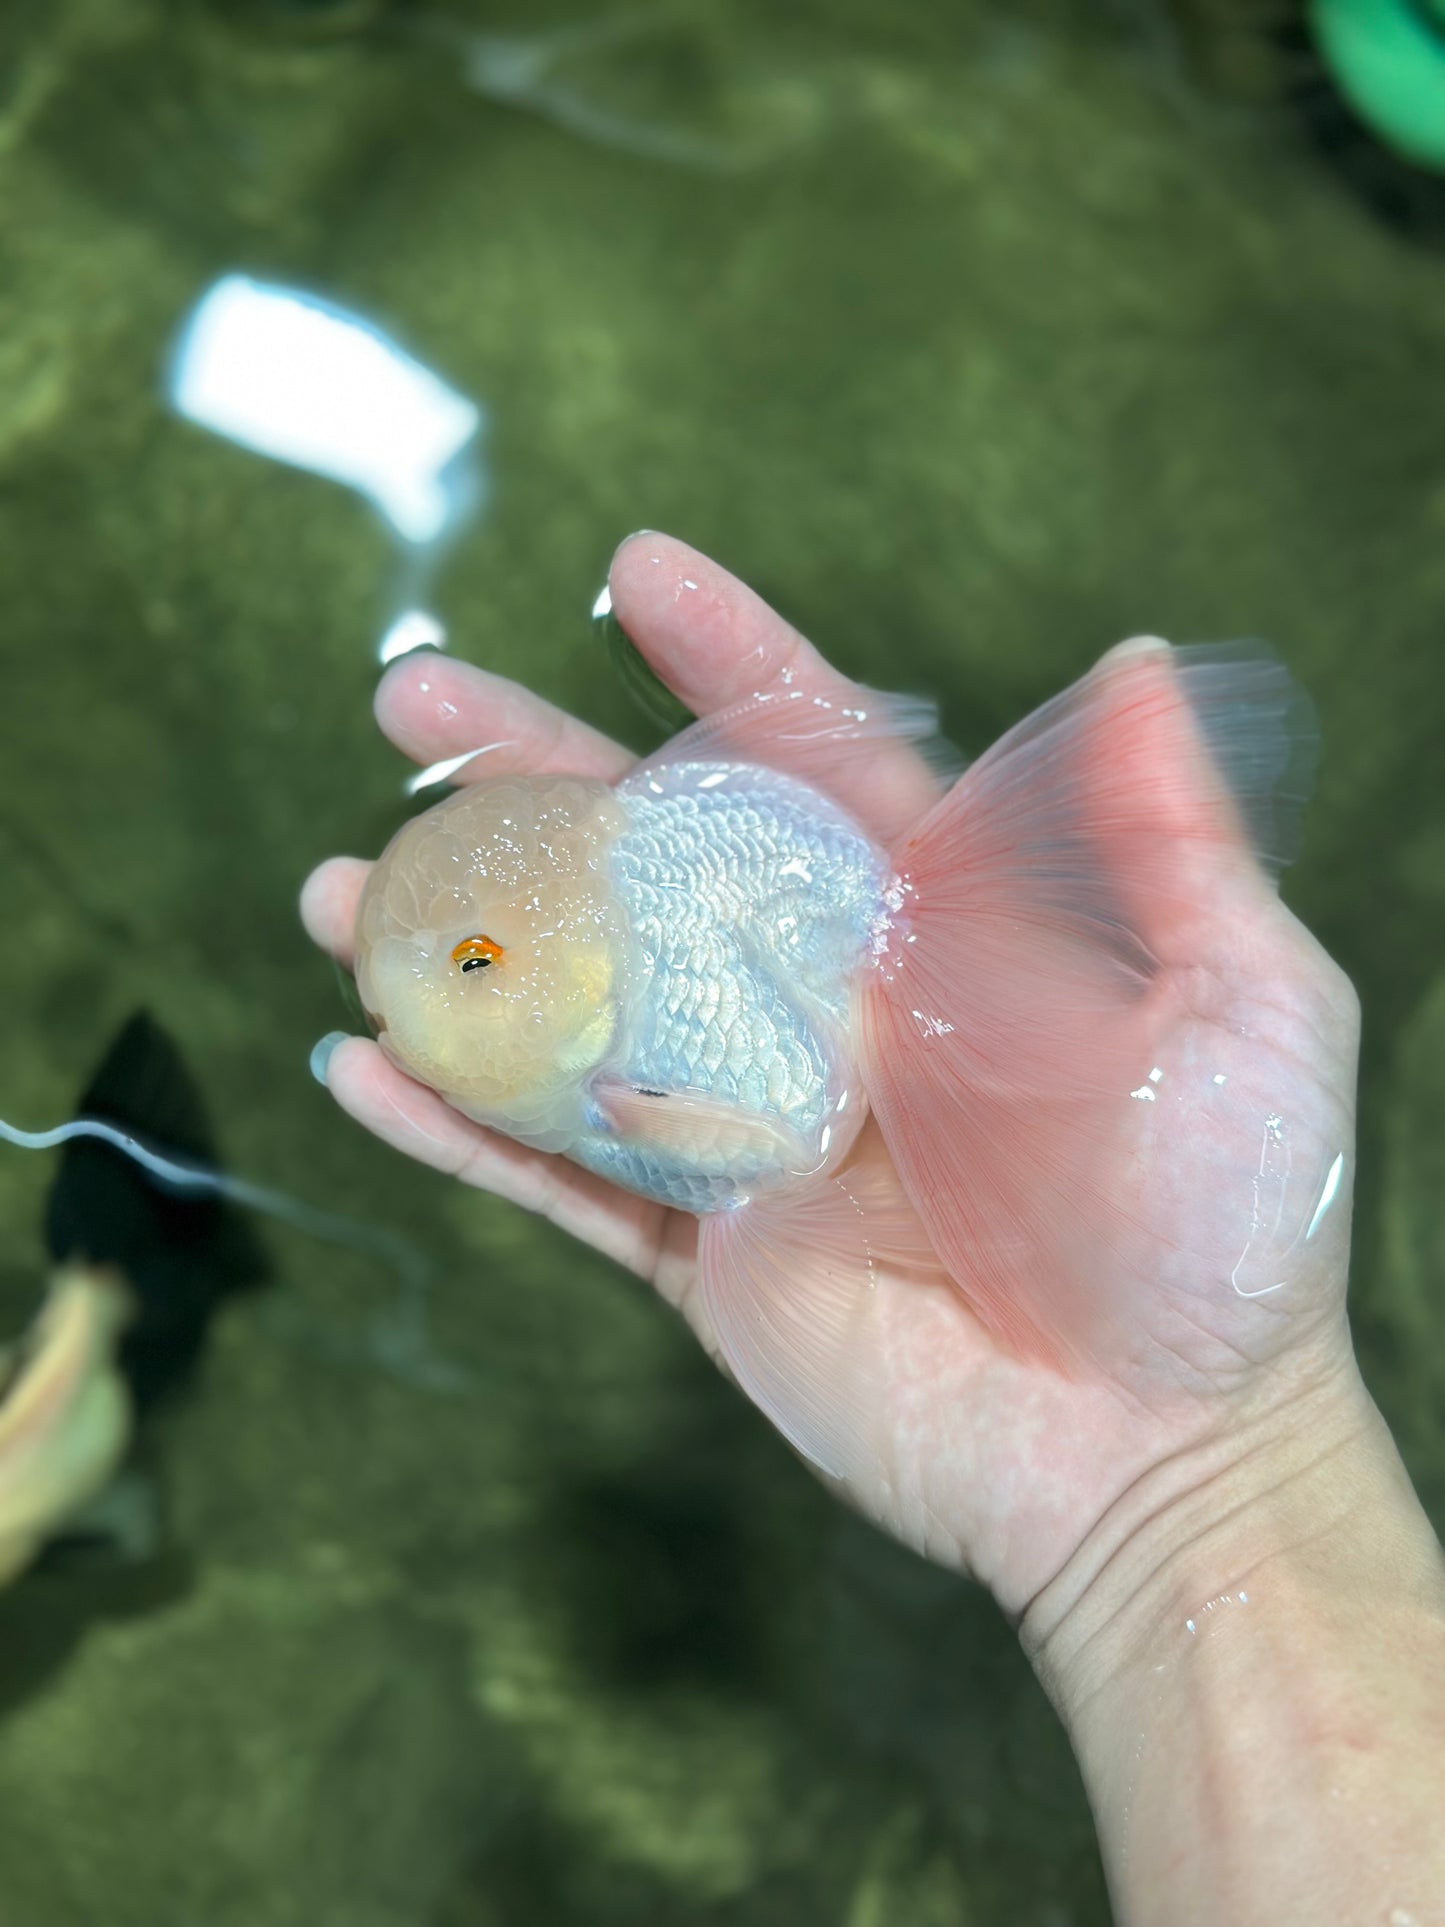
x=181 y=1254
x=65 y=1415
x=719 y=914
x=702 y=982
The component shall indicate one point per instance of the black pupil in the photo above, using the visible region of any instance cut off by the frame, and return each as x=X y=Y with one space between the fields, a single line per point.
x=476 y=963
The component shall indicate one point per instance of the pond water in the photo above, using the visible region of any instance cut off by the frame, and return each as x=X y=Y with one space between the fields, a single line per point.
x=976 y=337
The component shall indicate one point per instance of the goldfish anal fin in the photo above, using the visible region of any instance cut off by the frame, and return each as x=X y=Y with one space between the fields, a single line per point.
x=788 y=1286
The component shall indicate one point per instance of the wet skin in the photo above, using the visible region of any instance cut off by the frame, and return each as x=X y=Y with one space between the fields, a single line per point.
x=1003 y=1468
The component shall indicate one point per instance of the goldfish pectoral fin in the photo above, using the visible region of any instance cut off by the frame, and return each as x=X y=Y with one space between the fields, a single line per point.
x=833 y=745
x=698 y=1130
x=789 y=1289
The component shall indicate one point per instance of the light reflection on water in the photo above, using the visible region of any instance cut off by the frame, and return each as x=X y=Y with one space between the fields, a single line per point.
x=295 y=377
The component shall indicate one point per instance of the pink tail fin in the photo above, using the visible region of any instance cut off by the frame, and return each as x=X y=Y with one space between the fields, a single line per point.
x=1057 y=900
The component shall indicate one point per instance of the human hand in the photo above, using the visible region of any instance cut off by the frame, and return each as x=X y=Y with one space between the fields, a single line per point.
x=1002 y=1467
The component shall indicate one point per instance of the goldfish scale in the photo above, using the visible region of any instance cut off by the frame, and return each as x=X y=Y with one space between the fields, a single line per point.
x=752 y=903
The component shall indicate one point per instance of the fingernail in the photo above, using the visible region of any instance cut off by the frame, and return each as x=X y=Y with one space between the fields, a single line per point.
x=323 y=1051
x=635 y=536
x=602 y=602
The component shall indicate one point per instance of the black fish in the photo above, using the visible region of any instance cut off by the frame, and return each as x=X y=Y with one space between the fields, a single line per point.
x=180 y=1254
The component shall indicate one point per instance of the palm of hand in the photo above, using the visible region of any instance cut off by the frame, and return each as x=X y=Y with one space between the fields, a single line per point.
x=1000 y=1466
x=981 y=1459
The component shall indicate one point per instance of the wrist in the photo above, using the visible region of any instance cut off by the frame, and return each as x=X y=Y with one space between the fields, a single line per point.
x=1249 y=1654
x=1310 y=1465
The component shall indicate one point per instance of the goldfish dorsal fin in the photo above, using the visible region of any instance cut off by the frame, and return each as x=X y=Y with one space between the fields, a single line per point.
x=836 y=745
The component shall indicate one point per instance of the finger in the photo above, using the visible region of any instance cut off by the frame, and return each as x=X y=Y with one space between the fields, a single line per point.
x=433 y=708
x=715 y=643
x=415 y=1121
x=708 y=636
x=329 y=898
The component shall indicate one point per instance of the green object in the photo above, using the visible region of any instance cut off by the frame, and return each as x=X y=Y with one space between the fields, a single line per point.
x=1388 y=58
x=643 y=684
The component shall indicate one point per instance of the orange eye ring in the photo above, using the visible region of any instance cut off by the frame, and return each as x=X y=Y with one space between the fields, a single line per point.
x=476 y=953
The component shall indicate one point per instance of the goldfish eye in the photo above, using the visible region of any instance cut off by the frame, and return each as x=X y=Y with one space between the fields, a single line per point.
x=476 y=953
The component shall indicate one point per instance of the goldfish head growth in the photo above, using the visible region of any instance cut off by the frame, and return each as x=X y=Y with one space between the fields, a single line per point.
x=490 y=955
